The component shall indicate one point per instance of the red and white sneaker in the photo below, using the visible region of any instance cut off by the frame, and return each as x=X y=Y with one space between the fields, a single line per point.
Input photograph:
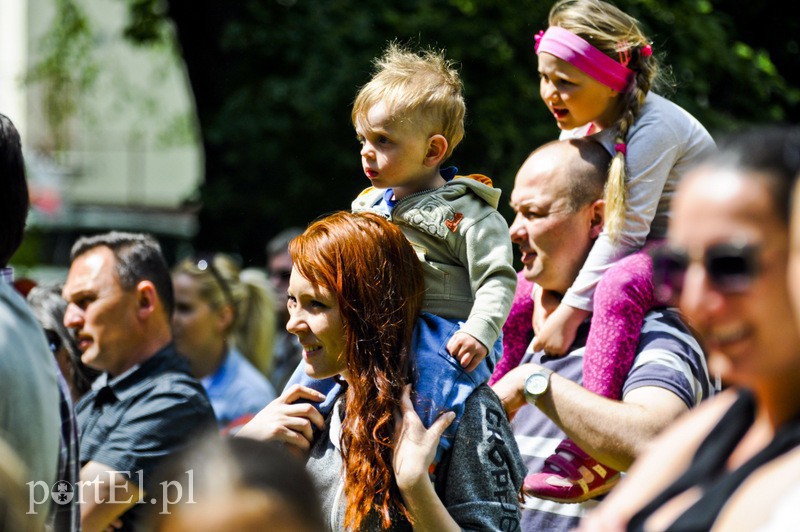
x=570 y=476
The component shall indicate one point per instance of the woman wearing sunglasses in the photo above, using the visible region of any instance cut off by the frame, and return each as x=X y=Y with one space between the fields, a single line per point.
x=355 y=294
x=224 y=323
x=726 y=463
x=48 y=306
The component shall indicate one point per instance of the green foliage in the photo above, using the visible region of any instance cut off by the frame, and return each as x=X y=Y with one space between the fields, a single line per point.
x=148 y=23
x=65 y=69
x=280 y=149
x=720 y=79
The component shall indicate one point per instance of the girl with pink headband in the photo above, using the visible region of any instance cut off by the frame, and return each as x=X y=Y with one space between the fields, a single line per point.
x=596 y=71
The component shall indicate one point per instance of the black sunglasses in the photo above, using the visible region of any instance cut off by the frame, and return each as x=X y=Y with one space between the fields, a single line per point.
x=206 y=263
x=731 y=268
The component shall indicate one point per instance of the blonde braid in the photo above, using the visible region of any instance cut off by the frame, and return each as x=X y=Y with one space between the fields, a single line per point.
x=616 y=194
x=617 y=35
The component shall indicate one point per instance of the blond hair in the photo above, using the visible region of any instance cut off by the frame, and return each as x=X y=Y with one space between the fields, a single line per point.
x=619 y=36
x=421 y=89
x=250 y=294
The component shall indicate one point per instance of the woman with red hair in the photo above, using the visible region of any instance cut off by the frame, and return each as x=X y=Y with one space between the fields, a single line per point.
x=354 y=300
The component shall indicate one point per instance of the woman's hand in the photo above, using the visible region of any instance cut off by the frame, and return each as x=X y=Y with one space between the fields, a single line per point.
x=284 y=421
x=415 y=446
x=414 y=451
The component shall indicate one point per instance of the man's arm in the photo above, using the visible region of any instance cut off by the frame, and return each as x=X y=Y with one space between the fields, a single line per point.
x=613 y=432
x=105 y=495
x=665 y=460
x=173 y=413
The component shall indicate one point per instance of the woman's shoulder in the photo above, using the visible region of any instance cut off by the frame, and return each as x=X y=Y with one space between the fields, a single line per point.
x=243 y=369
x=766 y=498
x=483 y=397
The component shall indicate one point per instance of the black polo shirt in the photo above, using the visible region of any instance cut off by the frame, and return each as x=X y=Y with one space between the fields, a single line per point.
x=135 y=420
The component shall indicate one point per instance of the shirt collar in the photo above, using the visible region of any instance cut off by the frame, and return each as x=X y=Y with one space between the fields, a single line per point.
x=216 y=378
x=119 y=387
x=7 y=275
x=448 y=173
x=388 y=196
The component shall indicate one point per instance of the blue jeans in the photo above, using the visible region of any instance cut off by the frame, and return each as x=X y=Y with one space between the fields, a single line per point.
x=439 y=381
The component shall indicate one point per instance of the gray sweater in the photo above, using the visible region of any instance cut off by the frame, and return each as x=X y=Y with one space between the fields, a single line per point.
x=478 y=480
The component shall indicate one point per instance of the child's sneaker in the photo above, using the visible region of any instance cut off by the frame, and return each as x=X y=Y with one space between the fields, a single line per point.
x=570 y=476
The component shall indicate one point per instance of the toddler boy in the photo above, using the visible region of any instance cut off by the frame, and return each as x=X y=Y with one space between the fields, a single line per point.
x=409 y=117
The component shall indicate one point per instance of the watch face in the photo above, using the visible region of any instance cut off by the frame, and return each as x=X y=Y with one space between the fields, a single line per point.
x=536 y=384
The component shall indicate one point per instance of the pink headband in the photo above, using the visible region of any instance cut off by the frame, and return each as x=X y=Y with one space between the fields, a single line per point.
x=568 y=47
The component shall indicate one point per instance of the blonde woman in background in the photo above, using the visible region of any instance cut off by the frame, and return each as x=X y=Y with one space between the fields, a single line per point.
x=224 y=323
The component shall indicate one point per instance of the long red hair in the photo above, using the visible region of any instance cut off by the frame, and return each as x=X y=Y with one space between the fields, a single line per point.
x=378 y=281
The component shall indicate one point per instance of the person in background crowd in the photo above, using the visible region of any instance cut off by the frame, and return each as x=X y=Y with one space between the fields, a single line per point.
x=48 y=306
x=223 y=319
x=29 y=402
x=145 y=405
x=288 y=351
x=74 y=381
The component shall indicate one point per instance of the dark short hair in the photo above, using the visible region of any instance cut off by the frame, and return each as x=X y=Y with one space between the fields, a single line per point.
x=768 y=151
x=264 y=467
x=587 y=173
x=139 y=258
x=14 y=202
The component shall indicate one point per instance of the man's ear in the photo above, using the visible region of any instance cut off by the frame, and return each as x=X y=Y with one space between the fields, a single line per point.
x=598 y=209
x=146 y=298
x=437 y=147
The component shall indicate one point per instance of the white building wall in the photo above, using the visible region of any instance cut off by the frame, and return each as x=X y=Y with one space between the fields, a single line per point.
x=13 y=53
x=132 y=138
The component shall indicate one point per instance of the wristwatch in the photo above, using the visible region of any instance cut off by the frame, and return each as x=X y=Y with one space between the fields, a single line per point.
x=536 y=385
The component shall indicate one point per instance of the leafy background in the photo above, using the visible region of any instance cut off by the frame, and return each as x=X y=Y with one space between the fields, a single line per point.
x=273 y=82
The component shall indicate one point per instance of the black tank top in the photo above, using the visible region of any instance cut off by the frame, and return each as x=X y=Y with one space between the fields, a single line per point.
x=708 y=471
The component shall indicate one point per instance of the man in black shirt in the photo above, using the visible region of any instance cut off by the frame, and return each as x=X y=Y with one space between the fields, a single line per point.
x=145 y=405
